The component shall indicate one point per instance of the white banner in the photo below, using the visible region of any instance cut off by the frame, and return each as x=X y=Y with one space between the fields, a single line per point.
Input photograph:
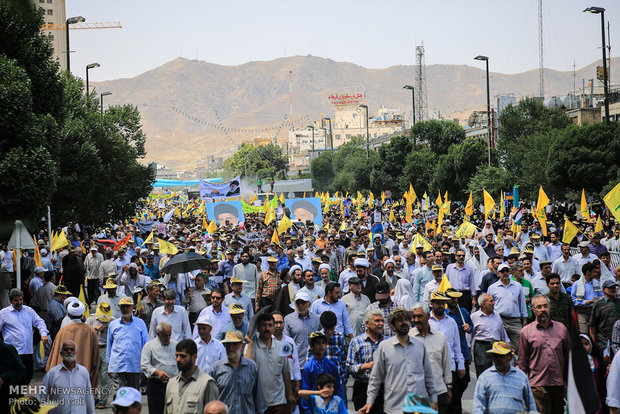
x=211 y=191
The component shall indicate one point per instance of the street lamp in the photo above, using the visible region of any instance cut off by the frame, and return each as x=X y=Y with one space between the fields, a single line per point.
x=312 y=128
x=486 y=59
x=89 y=66
x=367 y=135
x=601 y=11
x=71 y=20
x=412 y=102
x=331 y=141
x=102 y=95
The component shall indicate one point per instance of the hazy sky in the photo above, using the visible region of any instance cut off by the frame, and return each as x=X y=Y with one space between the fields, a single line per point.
x=374 y=34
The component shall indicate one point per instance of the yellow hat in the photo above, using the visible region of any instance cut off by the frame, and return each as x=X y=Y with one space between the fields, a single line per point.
x=453 y=293
x=61 y=290
x=439 y=296
x=500 y=348
x=436 y=268
x=514 y=251
x=237 y=280
x=104 y=312
x=528 y=249
x=232 y=337
x=125 y=301
x=110 y=284
x=236 y=309
x=272 y=259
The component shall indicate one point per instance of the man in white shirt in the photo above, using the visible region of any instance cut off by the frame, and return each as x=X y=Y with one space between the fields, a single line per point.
x=584 y=256
x=210 y=350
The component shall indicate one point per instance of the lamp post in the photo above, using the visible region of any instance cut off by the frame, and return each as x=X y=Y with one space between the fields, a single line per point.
x=367 y=135
x=486 y=59
x=412 y=101
x=331 y=140
x=102 y=95
x=71 y=20
x=89 y=66
x=601 y=11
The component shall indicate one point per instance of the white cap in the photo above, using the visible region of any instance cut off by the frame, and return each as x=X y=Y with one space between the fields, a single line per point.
x=361 y=262
x=584 y=244
x=76 y=308
x=40 y=269
x=325 y=266
x=43 y=252
x=204 y=320
x=502 y=267
x=302 y=296
x=126 y=396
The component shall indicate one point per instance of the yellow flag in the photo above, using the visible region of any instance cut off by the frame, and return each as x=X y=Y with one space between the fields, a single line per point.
x=391 y=216
x=60 y=242
x=543 y=200
x=359 y=197
x=612 y=200
x=82 y=298
x=409 y=213
x=489 y=204
x=417 y=239
x=445 y=284
x=440 y=218
x=205 y=225
x=446 y=206
x=570 y=231
x=371 y=200
x=274 y=238
x=42 y=350
x=438 y=201
x=285 y=224
x=585 y=212
x=412 y=194
x=469 y=207
x=212 y=227
x=466 y=229
x=167 y=247
x=282 y=197
x=599 y=225
x=304 y=196
x=270 y=216
x=148 y=239
x=382 y=197
x=501 y=205
x=542 y=219
x=37 y=253
x=445 y=197
x=139 y=300
x=201 y=209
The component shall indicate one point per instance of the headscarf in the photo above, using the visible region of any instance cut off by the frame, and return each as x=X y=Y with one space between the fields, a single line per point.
x=403 y=294
x=488 y=230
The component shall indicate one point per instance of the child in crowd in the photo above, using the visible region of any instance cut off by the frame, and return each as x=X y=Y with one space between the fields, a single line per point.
x=316 y=365
x=324 y=401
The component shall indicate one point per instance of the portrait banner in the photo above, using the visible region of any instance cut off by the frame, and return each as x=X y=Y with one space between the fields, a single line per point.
x=224 y=211
x=211 y=191
x=304 y=209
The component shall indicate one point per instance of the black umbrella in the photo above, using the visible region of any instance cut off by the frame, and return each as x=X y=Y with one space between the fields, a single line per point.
x=185 y=263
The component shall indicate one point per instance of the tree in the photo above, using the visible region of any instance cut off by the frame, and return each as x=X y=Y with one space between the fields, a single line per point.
x=322 y=172
x=491 y=178
x=585 y=157
x=439 y=134
x=264 y=161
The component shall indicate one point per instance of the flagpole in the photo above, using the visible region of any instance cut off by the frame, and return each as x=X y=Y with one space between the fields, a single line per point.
x=49 y=227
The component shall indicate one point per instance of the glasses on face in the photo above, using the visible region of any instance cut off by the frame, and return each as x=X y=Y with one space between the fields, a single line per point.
x=460 y=255
x=216 y=298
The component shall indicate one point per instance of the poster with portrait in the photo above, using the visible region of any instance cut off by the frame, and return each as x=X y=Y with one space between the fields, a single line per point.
x=303 y=209
x=224 y=211
x=211 y=191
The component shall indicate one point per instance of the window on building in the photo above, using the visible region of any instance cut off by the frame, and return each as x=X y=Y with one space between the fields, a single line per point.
x=51 y=37
x=338 y=137
x=49 y=1
x=348 y=136
x=41 y=1
x=50 y=12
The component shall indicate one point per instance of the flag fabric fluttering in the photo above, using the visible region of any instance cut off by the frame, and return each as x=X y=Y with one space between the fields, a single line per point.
x=469 y=207
x=612 y=200
x=585 y=212
x=489 y=204
x=570 y=231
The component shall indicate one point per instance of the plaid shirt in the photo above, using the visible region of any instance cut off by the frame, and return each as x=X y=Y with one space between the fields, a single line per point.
x=615 y=337
x=361 y=350
x=335 y=353
x=268 y=284
x=387 y=330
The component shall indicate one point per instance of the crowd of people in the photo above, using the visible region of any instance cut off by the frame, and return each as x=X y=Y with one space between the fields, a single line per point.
x=371 y=312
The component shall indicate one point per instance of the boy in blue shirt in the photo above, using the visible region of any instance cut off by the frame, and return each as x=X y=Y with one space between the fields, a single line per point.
x=316 y=365
x=324 y=401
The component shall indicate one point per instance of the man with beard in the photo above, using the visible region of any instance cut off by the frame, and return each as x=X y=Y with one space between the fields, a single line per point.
x=286 y=293
x=159 y=365
x=173 y=314
x=72 y=380
x=73 y=271
x=543 y=356
x=191 y=389
x=384 y=303
x=402 y=365
x=465 y=325
x=126 y=338
x=356 y=303
x=237 y=378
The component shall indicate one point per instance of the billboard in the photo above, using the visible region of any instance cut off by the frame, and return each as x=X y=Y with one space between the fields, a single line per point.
x=355 y=98
x=211 y=191
x=304 y=209
x=223 y=211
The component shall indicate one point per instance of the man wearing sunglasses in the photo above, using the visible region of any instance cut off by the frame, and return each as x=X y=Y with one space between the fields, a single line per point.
x=462 y=278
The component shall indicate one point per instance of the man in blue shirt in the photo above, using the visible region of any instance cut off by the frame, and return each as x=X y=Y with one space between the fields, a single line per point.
x=465 y=324
x=151 y=269
x=585 y=291
x=126 y=338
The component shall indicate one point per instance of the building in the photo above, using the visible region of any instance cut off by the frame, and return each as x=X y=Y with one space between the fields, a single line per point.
x=54 y=13
x=583 y=116
x=614 y=112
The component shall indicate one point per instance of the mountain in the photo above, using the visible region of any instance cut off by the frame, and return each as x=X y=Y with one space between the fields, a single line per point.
x=192 y=108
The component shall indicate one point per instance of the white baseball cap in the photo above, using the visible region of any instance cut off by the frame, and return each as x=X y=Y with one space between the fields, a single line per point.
x=126 y=396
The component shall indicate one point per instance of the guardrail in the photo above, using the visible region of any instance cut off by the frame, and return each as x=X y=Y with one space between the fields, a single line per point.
x=614 y=256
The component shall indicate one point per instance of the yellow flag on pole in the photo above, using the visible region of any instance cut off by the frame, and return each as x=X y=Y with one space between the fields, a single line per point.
x=542 y=219
x=148 y=239
x=205 y=225
x=501 y=205
x=412 y=194
x=543 y=200
x=270 y=216
x=82 y=298
x=599 y=225
x=438 y=201
x=60 y=242
x=469 y=207
x=37 y=253
x=282 y=197
x=585 y=212
x=285 y=224
x=418 y=239
x=445 y=284
x=371 y=200
x=274 y=238
x=489 y=204
x=612 y=200
x=466 y=229
x=167 y=247
x=409 y=213
x=212 y=227
x=391 y=216
x=570 y=231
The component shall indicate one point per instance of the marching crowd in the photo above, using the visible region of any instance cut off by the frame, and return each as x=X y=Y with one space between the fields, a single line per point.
x=361 y=313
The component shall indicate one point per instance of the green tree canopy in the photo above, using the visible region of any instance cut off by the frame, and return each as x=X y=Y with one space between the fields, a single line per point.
x=438 y=134
x=265 y=161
